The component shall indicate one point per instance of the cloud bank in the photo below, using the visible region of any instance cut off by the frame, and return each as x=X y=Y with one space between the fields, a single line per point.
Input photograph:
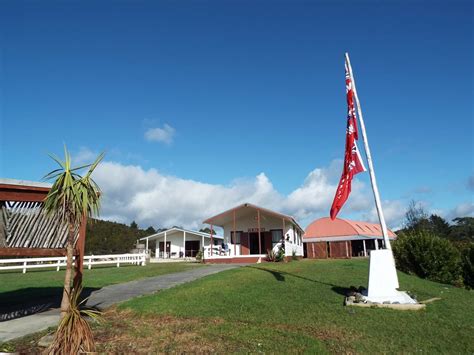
x=152 y=198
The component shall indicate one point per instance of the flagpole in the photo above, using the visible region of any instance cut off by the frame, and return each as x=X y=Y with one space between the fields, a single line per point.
x=373 y=181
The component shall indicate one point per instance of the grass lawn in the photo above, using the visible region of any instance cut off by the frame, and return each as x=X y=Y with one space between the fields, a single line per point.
x=292 y=307
x=19 y=290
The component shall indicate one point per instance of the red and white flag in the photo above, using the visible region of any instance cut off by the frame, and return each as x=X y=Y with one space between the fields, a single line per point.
x=352 y=160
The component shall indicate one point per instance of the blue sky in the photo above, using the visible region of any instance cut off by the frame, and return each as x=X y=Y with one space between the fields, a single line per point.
x=228 y=90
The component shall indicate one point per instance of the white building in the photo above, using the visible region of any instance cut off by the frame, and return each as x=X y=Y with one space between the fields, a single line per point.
x=180 y=243
x=257 y=231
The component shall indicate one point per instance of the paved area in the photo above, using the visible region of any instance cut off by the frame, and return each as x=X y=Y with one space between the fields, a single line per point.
x=107 y=296
x=20 y=327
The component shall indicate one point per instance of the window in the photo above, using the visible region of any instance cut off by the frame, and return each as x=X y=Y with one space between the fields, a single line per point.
x=277 y=236
x=238 y=235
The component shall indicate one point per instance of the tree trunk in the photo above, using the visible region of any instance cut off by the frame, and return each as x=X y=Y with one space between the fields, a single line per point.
x=68 y=277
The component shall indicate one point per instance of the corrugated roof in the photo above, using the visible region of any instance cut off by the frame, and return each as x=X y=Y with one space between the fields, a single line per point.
x=326 y=227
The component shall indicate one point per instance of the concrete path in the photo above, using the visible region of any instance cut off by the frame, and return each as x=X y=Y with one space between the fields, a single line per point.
x=107 y=296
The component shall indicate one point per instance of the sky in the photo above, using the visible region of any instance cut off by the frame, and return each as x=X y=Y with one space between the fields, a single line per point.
x=203 y=105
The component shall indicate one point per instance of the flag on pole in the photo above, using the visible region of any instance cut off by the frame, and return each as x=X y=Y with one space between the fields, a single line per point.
x=352 y=160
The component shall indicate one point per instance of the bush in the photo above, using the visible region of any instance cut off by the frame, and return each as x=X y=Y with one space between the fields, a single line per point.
x=271 y=255
x=276 y=256
x=280 y=255
x=199 y=256
x=467 y=260
x=428 y=256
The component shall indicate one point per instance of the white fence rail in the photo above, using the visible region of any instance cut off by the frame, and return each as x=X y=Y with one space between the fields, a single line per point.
x=217 y=250
x=58 y=262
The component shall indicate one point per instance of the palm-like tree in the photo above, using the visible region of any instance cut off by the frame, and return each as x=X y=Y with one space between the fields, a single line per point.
x=71 y=197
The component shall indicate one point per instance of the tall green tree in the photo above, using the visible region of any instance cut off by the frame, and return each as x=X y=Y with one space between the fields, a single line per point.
x=439 y=226
x=149 y=231
x=134 y=225
x=71 y=197
x=463 y=229
x=416 y=217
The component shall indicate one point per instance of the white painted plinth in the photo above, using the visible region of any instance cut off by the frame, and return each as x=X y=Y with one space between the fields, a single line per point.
x=383 y=280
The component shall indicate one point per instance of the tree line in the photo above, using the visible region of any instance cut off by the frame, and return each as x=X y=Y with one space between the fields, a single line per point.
x=106 y=237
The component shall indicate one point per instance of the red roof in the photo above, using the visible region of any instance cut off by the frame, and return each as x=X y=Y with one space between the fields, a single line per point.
x=325 y=227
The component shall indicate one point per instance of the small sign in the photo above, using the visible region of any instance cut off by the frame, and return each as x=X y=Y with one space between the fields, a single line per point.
x=255 y=230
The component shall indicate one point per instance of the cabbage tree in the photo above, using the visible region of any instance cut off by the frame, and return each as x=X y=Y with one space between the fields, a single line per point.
x=71 y=197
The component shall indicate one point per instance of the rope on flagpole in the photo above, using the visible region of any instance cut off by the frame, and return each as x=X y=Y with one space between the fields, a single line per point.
x=373 y=181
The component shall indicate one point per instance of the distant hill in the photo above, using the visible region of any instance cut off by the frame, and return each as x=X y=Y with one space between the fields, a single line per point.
x=105 y=237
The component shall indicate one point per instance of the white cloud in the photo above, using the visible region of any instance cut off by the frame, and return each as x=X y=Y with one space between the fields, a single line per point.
x=465 y=209
x=164 y=134
x=394 y=213
x=152 y=198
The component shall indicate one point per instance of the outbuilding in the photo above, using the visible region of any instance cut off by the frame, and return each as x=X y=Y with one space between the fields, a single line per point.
x=341 y=238
x=179 y=243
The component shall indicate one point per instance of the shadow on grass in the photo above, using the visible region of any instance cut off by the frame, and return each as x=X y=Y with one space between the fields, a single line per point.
x=280 y=276
x=31 y=300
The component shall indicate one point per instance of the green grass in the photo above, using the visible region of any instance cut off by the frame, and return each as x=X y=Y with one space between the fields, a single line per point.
x=17 y=289
x=274 y=308
x=298 y=307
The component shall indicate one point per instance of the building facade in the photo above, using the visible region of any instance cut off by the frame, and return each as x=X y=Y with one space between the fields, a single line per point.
x=250 y=232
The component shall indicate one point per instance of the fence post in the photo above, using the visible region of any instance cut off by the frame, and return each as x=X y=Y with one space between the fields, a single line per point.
x=59 y=264
x=24 y=267
x=89 y=263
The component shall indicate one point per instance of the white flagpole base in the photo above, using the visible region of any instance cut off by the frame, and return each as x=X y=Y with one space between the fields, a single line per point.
x=383 y=280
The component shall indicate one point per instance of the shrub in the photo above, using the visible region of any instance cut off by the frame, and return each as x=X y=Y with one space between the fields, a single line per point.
x=271 y=255
x=428 y=256
x=74 y=334
x=276 y=256
x=199 y=256
x=280 y=255
x=467 y=262
x=293 y=255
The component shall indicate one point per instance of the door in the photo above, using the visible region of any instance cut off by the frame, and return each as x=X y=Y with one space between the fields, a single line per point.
x=254 y=245
x=267 y=242
x=244 y=244
x=162 y=249
x=192 y=248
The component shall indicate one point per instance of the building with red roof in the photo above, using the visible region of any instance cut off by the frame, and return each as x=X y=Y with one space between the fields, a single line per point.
x=342 y=238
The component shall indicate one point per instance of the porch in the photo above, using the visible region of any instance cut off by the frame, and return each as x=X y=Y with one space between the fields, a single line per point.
x=176 y=244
